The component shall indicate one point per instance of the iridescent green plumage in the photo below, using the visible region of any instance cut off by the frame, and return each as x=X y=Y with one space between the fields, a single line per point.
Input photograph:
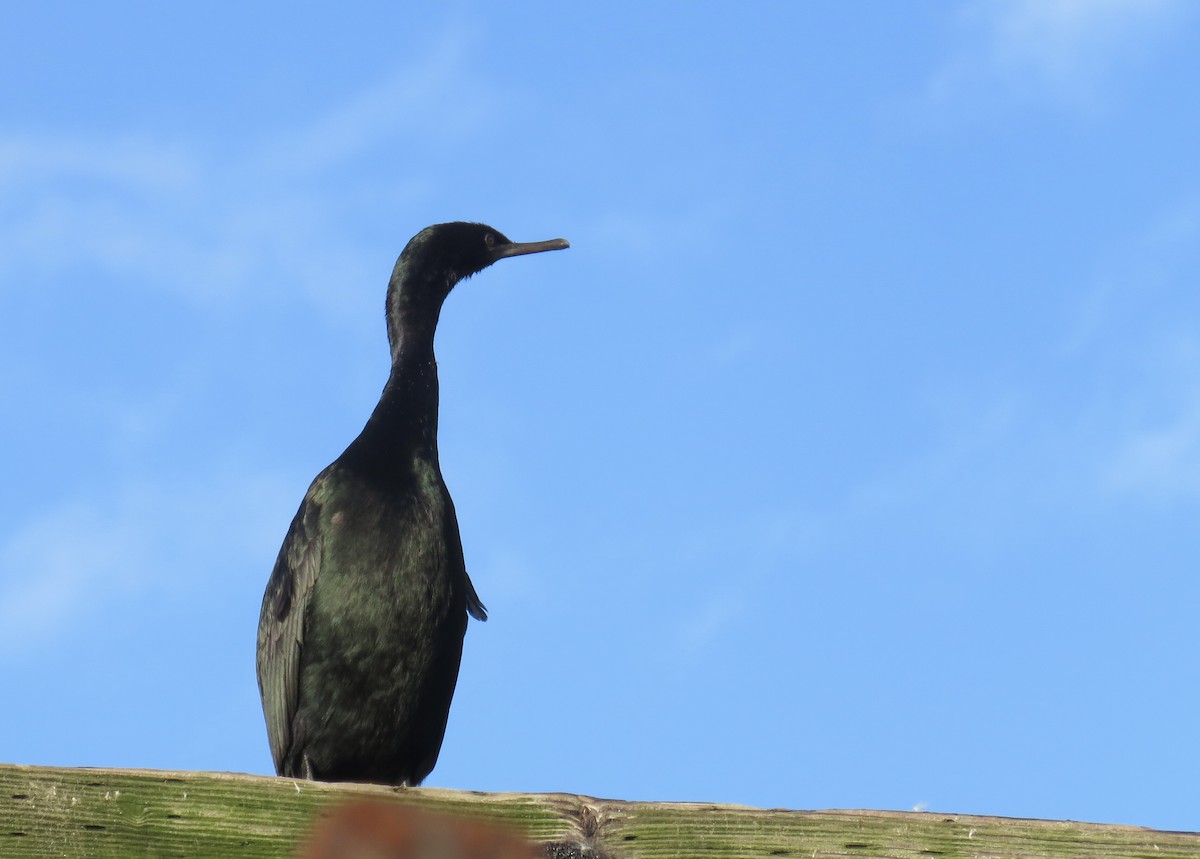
x=362 y=623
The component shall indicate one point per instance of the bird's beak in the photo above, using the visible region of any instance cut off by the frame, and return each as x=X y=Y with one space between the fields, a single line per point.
x=515 y=249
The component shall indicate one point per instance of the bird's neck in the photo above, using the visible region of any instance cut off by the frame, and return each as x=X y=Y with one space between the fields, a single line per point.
x=403 y=427
x=414 y=303
x=404 y=424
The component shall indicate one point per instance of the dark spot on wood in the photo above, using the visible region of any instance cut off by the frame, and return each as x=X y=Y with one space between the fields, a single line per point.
x=562 y=850
x=174 y=817
x=781 y=852
x=15 y=834
x=630 y=838
x=94 y=784
x=929 y=851
x=20 y=796
x=856 y=845
x=93 y=827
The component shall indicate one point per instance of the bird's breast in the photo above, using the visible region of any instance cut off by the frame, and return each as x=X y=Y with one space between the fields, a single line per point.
x=388 y=553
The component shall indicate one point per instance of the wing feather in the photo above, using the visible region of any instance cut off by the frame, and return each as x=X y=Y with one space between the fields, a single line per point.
x=281 y=625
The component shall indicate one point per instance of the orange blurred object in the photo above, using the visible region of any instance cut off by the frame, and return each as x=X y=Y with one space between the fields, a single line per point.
x=378 y=830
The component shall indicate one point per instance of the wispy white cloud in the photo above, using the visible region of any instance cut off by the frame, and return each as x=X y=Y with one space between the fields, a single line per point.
x=985 y=467
x=1109 y=414
x=434 y=100
x=1064 y=50
x=699 y=626
x=1138 y=317
x=89 y=557
x=161 y=217
x=132 y=162
x=1161 y=461
x=1136 y=279
x=192 y=218
x=60 y=562
x=209 y=224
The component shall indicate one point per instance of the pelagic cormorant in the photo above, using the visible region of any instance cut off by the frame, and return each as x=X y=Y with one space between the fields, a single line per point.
x=362 y=623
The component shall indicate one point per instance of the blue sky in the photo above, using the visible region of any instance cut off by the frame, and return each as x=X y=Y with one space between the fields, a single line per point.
x=849 y=458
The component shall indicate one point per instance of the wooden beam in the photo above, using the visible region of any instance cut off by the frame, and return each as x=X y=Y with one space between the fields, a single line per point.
x=100 y=813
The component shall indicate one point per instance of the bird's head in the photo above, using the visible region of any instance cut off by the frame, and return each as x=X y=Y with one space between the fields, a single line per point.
x=437 y=258
x=447 y=253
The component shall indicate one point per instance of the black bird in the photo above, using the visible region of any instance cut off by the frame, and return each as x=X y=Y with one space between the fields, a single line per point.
x=362 y=623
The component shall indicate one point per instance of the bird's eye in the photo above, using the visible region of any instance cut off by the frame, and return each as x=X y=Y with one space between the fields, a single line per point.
x=490 y=240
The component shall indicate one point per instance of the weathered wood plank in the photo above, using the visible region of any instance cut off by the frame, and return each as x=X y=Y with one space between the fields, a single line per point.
x=104 y=813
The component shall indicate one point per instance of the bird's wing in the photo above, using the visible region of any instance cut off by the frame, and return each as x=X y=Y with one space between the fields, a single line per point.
x=281 y=625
